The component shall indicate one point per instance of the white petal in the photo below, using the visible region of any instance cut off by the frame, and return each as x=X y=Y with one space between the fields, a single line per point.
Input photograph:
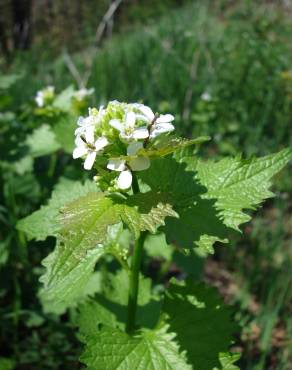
x=39 y=100
x=143 y=118
x=139 y=164
x=79 y=131
x=164 y=127
x=165 y=118
x=100 y=143
x=84 y=125
x=101 y=112
x=125 y=179
x=115 y=123
x=116 y=165
x=134 y=147
x=80 y=121
x=89 y=134
x=140 y=133
x=136 y=105
x=79 y=141
x=87 y=121
x=89 y=160
x=161 y=128
x=147 y=112
x=206 y=96
x=130 y=119
x=126 y=137
x=79 y=152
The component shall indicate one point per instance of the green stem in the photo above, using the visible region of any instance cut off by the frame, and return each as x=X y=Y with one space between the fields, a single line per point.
x=135 y=185
x=52 y=165
x=135 y=270
x=134 y=282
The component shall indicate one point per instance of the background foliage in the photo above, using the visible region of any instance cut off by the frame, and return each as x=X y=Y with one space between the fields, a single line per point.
x=224 y=69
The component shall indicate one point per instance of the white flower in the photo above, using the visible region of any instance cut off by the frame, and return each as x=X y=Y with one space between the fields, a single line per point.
x=206 y=96
x=45 y=95
x=39 y=99
x=93 y=119
x=127 y=128
x=84 y=123
x=88 y=147
x=158 y=124
x=124 y=180
x=83 y=93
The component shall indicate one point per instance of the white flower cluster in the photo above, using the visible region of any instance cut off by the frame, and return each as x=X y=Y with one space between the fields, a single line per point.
x=126 y=126
x=83 y=93
x=45 y=96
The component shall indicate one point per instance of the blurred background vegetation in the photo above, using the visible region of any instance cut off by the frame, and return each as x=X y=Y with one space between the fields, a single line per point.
x=223 y=68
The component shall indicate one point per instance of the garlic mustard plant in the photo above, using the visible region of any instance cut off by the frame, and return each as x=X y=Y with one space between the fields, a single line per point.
x=149 y=187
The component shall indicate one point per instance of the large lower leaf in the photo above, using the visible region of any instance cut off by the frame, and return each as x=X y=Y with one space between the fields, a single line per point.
x=109 y=306
x=194 y=327
x=112 y=349
x=202 y=323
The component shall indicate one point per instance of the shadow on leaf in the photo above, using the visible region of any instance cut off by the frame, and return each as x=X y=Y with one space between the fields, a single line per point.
x=199 y=223
x=202 y=323
x=147 y=315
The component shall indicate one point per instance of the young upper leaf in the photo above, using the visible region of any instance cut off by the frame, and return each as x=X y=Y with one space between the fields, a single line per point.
x=86 y=223
x=46 y=221
x=239 y=184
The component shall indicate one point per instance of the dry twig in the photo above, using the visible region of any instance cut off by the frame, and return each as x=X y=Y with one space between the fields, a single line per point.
x=107 y=20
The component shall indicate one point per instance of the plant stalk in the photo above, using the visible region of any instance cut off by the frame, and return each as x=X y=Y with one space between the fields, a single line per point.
x=135 y=185
x=52 y=165
x=134 y=273
x=134 y=283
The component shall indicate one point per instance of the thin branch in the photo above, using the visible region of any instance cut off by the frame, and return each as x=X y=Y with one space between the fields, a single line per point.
x=106 y=20
x=73 y=69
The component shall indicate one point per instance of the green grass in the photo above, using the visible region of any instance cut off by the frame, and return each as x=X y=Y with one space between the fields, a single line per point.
x=240 y=61
x=241 y=58
x=261 y=268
